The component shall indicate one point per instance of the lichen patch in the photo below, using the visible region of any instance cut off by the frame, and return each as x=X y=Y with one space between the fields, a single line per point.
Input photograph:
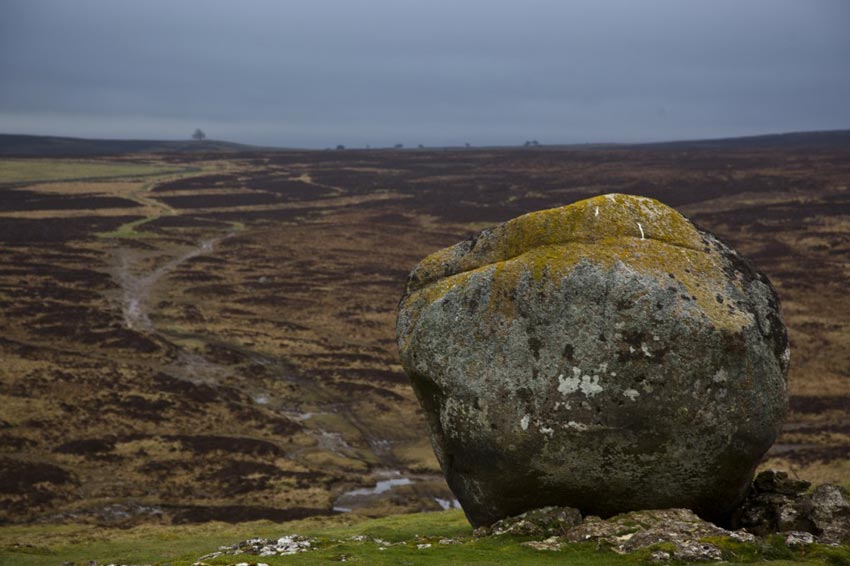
x=541 y=248
x=587 y=384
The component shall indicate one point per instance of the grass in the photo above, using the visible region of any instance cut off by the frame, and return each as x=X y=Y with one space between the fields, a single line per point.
x=180 y=546
x=39 y=170
x=401 y=535
x=30 y=171
x=129 y=231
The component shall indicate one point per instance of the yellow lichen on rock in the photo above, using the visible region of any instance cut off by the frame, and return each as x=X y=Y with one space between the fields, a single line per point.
x=604 y=219
x=635 y=232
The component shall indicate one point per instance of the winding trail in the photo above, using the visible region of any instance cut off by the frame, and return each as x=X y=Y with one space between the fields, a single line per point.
x=136 y=291
x=155 y=208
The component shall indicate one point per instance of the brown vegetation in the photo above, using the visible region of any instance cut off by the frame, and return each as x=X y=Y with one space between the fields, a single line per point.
x=268 y=382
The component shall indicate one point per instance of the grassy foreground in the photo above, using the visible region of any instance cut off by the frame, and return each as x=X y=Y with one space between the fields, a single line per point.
x=402 y=540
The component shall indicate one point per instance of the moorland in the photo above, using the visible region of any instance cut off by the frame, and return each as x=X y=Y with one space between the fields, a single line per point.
x=206 y=335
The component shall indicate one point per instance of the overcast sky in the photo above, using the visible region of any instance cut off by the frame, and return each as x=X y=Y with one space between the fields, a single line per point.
x=316 y=73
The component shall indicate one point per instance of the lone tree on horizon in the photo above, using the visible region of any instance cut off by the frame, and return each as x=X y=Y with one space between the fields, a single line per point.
x=199 y=135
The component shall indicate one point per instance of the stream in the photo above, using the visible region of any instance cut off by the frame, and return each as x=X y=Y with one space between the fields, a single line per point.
x=362 y=497
x=365 y=497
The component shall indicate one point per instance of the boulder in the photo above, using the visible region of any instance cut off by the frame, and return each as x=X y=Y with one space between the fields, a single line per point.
x=607 y=356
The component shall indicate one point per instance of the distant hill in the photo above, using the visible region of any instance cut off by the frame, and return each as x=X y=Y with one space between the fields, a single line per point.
x=26 y=145
x=52 y=146
x=829 y=139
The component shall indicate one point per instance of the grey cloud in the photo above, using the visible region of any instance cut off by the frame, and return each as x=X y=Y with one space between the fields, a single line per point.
x=318 y=73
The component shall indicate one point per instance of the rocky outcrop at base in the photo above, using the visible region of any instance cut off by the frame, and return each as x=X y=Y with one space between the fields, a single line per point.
x=778 y=504
x=544 y=522
x=820 y=532
x=680 y=531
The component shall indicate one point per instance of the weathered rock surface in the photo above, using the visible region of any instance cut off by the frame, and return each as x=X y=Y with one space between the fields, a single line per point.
x=606 y=355
x=286 y=545
x=681 y=528
x=544 y=522
x=778 y=504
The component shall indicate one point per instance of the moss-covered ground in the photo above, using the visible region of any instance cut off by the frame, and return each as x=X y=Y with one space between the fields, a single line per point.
x=345 y=538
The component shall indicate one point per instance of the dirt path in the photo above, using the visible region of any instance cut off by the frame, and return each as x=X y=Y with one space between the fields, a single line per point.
x=306 y=178
x=155 y=209
x=136 y=289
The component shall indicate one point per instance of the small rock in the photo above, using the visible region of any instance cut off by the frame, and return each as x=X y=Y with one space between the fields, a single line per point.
x=547 y=521
x=659 y=556
x=799 y=538
x=776 y=504
x=448 y=541
x=742 y=536
x=695 y=551
x=550 y=543
x=480 y=532
x=831 y=513
x=292 y=544
x=776 y=481
x=286 y=545
x=423 y=546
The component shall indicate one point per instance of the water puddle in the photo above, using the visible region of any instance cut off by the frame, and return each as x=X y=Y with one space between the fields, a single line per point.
x=447 y=504
x=299 y=417
x=429 y=488
x=366 y=496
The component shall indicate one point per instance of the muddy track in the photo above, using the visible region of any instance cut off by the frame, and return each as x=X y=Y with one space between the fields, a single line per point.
x=136 y=291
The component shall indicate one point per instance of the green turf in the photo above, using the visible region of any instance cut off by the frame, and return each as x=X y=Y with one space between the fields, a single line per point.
x=37 y=170
x=130 y=230
x=184 y=545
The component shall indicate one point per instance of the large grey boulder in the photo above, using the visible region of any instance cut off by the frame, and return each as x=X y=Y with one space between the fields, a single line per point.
x=606 y=356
